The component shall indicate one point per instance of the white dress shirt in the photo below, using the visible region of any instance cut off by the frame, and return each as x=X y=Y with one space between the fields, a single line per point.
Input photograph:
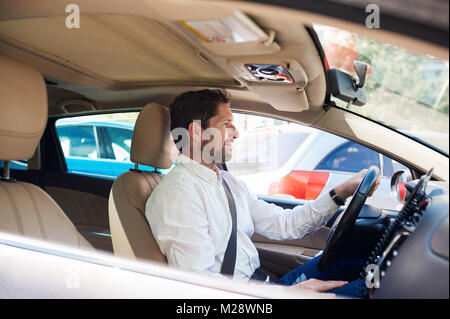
x=190 y=219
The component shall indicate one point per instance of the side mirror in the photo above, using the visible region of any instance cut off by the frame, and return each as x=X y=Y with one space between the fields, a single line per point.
x=399 y=191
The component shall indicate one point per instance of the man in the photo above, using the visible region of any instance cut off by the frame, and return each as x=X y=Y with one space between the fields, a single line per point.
x=189 y=210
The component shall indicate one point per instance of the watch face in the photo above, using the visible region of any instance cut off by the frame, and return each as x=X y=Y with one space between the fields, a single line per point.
x=270 y=73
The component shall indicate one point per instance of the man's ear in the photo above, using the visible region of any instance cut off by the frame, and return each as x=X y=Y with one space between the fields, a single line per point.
x=195 y=131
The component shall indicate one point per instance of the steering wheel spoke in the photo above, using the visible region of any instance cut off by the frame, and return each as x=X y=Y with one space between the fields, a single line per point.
x=342 y=231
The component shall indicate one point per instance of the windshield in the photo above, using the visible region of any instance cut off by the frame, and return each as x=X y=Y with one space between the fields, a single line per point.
x=406 y=91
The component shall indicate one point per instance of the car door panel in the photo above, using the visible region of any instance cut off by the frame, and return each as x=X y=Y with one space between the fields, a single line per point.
x=278 y=259
x=87 y=213
x=84 y=199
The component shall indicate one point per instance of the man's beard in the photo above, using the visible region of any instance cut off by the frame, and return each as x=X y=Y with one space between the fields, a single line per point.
x=218 y=154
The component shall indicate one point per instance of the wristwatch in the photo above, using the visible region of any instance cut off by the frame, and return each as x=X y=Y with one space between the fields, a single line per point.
x=336 y=198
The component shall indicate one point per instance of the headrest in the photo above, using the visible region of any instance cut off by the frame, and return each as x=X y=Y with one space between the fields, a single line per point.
x=23 y=109
x=152 y=143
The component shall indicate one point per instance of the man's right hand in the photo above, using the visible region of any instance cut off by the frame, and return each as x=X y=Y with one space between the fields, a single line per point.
x=317 y=285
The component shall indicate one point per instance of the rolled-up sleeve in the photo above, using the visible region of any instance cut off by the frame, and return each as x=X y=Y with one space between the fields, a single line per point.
x=277 y=223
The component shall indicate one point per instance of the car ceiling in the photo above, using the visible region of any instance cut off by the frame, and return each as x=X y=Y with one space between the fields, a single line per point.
x=127 y=52
x=123 y=46
x=117 y=48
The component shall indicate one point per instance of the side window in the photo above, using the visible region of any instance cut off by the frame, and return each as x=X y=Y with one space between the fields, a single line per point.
x=98 y=144
x=20 y=165
x=265 y=144
x=287 y=160
x=267 y=150
x=349 y=157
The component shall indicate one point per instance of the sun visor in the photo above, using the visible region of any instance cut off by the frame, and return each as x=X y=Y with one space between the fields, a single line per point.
x=231 y=36
x=282 y=98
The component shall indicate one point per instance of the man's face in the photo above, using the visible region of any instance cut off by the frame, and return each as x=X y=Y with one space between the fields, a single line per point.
x=220 y=134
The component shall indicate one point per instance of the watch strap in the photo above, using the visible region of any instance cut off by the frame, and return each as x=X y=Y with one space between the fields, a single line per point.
x=336 y=198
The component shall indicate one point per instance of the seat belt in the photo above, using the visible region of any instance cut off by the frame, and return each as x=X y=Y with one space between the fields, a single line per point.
x=229 y=259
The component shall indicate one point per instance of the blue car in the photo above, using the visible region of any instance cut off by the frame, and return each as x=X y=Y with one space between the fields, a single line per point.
x=100 y=148
x=94 y=147
x=97 y=147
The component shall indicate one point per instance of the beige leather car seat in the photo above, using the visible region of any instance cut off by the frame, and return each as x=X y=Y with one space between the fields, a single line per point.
x=152 y=146
x=26 y=209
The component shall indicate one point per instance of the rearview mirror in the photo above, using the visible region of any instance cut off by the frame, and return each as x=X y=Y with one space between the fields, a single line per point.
x=346 y=88
x=361 y=71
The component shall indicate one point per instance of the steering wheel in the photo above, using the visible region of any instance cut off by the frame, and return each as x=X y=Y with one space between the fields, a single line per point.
x=344 y=226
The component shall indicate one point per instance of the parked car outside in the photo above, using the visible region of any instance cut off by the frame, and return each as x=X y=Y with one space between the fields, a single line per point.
x=97 y=147
x=307 y=162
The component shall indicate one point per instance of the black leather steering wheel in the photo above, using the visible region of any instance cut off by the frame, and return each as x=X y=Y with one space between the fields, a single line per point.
x=343 y=228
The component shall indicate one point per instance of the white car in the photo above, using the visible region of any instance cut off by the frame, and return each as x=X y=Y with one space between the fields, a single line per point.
x=308 y=162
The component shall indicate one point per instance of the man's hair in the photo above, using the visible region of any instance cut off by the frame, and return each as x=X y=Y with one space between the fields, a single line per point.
x=195 y=105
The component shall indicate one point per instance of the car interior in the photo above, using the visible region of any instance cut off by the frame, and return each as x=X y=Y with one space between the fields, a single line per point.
x=139 y=57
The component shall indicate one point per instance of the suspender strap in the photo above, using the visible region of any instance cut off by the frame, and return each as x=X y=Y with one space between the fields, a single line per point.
x=229 y=259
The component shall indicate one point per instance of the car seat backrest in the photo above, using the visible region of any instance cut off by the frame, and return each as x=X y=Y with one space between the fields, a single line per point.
x=153 y=146
x=26 y=209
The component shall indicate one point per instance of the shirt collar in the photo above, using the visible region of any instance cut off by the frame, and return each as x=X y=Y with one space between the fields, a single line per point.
x=198 y=169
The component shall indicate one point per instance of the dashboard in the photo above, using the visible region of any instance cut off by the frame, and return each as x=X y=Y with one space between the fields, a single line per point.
x=410 y=260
